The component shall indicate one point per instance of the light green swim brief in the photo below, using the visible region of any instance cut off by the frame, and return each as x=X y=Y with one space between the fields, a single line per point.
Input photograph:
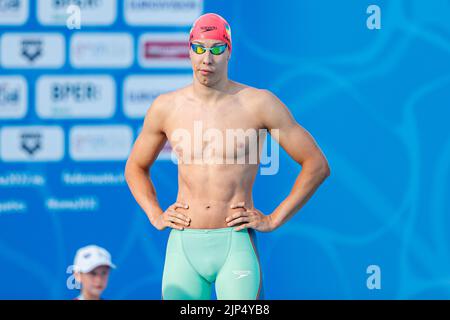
x=196 y=258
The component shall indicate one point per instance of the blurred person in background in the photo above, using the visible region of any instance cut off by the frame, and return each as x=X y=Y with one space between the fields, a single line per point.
x=92 y=266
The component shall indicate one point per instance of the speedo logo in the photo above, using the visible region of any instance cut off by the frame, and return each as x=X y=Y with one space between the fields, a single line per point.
x=208 y=28
x=241 y=273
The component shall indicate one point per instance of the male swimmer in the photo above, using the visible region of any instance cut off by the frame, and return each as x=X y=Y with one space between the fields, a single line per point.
x=213 y=221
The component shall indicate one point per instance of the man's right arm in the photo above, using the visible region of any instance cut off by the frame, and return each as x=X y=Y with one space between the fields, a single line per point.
x=143 y=154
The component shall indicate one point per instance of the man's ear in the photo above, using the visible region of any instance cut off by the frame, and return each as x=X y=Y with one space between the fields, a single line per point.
x=77 y=276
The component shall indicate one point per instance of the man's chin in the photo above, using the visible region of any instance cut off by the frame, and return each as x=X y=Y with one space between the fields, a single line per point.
x=206 y=82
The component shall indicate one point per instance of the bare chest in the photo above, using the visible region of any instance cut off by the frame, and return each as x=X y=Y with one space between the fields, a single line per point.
x=223 y=134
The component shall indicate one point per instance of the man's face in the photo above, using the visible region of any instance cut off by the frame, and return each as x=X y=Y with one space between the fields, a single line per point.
x=95 y=282
x=209 y=68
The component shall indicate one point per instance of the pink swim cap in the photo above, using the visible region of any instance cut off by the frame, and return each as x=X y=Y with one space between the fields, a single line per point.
x=211 y=26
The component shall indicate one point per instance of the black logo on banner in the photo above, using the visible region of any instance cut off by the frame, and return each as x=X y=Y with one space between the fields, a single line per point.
x=31 y=49
x=8 y=95
x=12 y=5
x=31 y=142
x=82 y=4
x=79 y=92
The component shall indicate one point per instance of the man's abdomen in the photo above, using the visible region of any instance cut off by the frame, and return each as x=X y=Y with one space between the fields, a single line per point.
x=210 y=193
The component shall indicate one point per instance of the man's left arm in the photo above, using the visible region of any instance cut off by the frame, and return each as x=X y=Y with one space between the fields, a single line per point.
x=301 y=147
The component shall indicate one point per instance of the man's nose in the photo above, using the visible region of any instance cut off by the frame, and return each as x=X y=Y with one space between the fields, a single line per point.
x=207 y=59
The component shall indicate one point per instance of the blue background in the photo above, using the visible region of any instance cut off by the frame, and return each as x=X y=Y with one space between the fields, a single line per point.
x=376 y=101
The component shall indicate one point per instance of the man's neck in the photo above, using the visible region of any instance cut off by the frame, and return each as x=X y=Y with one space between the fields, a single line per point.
x=210 y=95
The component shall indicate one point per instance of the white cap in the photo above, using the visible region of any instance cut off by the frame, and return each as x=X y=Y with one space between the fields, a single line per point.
x=90 y=257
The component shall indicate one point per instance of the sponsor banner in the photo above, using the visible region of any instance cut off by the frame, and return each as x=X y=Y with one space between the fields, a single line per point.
x=101 y=50
x=162 y=12
x=139 y=91
x=69 y=97
x=164 y=50
x=13 y=97
x=31 y=143
x=14 y=12
x=32 y=50
x=100 y=143
x=93 y=12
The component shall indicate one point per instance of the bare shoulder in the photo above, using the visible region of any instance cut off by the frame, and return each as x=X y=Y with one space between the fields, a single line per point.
x=266 y=108
x=255 y=97
x=161 y=104
x=164 y=104
x=168 y=99
x=157 y=113
x=264 y=105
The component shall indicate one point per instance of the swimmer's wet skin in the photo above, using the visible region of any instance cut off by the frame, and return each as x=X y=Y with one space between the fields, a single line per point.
x=196 y=258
